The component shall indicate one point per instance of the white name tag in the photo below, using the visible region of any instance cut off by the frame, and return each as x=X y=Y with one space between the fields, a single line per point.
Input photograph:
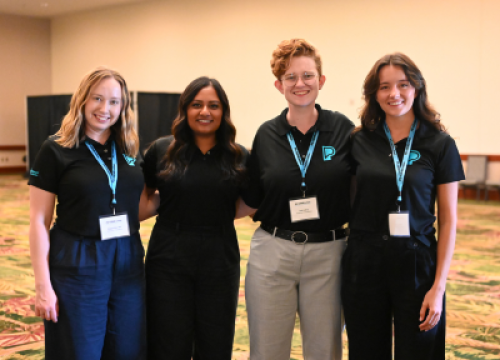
x=114 y=226
x=304 y=209
x=399 y=223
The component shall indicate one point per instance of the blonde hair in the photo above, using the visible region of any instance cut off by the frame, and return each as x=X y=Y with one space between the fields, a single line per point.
x=72 y=129
x=287 y=49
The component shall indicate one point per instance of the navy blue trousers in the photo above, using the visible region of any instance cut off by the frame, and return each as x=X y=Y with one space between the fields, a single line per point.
x=193 y=278
x=100 y=286
x=386 y=278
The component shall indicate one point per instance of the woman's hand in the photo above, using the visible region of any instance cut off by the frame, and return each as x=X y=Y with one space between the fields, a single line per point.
x=149 y=203
x=46 y=304
x=243 y=209
x=433 y=307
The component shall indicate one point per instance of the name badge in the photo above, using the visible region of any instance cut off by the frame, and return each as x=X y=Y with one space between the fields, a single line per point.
x=399 y=223
x=304 y=209
x=114 y=226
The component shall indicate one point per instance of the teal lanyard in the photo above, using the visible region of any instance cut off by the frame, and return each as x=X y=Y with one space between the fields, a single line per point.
x=303 y=166
x=401 y=168
x=113 y=175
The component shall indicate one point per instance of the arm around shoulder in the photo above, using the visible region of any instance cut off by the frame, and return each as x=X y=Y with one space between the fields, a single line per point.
x=149 y=204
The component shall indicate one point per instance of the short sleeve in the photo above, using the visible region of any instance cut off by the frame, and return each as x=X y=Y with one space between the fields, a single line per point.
x=46 y=169
x=449 y=165
x=149 y=167
x=252 y=193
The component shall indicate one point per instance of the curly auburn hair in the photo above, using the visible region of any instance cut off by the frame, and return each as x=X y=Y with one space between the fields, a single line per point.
x=72 y=130
x=176 y=159
x=371 y=113
x=287 y=49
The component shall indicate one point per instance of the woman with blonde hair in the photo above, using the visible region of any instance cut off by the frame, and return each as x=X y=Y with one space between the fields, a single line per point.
x=89 y=269
x=299 y=173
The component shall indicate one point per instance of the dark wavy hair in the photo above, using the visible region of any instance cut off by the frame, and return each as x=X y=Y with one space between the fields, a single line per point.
x=371 y=113
x=181 y=149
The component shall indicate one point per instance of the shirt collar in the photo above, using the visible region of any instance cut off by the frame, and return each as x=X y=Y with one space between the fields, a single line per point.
x=97 y=144
x=424 y=130
x=322 y=124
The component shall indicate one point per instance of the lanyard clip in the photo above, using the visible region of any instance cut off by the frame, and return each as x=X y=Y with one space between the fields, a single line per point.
x=113 y=204
x=303 y=188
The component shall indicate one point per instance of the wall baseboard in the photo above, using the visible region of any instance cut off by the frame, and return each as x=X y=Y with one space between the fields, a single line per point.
x=12 y=147
x=470 y=194
x=13 y=170
x=464 y=157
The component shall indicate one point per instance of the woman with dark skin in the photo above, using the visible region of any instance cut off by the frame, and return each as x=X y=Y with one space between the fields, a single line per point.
x=193 y=260
x=394 y=268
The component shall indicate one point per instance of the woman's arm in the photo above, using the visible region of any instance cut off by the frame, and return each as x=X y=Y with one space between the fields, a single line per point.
x=41 y=211
x=149 y=204
x=243 y=209
x=447 y=195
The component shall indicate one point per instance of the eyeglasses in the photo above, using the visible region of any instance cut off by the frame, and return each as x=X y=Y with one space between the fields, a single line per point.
x=291 y=79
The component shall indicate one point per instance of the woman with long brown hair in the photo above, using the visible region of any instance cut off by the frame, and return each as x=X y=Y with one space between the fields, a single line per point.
x=193 y=259
x=394 y=268
x=89 y=267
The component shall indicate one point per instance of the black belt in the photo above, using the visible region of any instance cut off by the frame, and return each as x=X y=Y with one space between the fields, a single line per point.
x=302 y=237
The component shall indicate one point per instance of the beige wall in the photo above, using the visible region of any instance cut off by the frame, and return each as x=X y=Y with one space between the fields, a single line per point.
x=162 y=45
x=24 y=70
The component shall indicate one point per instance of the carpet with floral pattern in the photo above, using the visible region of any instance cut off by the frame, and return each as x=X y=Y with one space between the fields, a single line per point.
x=473 y=290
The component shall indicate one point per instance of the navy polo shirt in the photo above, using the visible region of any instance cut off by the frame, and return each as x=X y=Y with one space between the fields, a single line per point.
x=434 y=160
x=201 y=197
x=275 y=177
x=82 y=186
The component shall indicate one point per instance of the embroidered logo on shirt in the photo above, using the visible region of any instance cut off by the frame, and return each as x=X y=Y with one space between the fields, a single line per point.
x=34 y=173
x=328 y=152
x=414 y=156
x=129 y=160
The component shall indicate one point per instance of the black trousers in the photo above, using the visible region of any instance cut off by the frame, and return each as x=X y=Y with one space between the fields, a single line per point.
x=385 y=279
x=192 y=286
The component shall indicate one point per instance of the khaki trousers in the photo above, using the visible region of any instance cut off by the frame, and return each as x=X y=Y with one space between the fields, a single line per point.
x=283 y=279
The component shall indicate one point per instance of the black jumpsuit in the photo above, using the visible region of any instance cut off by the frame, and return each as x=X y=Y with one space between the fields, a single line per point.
x=193 y=259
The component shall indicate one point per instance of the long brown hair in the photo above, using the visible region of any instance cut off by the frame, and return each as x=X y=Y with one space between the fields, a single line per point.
x=371 y=113
x=72 y=129
x=178 y=154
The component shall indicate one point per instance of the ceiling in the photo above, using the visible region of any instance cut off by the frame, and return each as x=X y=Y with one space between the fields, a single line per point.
x=51 y=8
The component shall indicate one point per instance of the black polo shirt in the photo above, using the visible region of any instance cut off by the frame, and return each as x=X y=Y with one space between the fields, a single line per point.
x=199 y=198
x=434 y=160
x=82 y=187
x=275 y=177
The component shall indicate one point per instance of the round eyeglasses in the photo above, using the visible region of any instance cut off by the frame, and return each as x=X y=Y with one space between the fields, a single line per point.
x=291 y=79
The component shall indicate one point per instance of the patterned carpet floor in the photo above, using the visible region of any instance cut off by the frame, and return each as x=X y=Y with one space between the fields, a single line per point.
x=473 y=291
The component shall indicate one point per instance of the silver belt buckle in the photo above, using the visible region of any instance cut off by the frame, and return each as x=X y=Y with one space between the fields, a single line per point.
x=299 y=232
